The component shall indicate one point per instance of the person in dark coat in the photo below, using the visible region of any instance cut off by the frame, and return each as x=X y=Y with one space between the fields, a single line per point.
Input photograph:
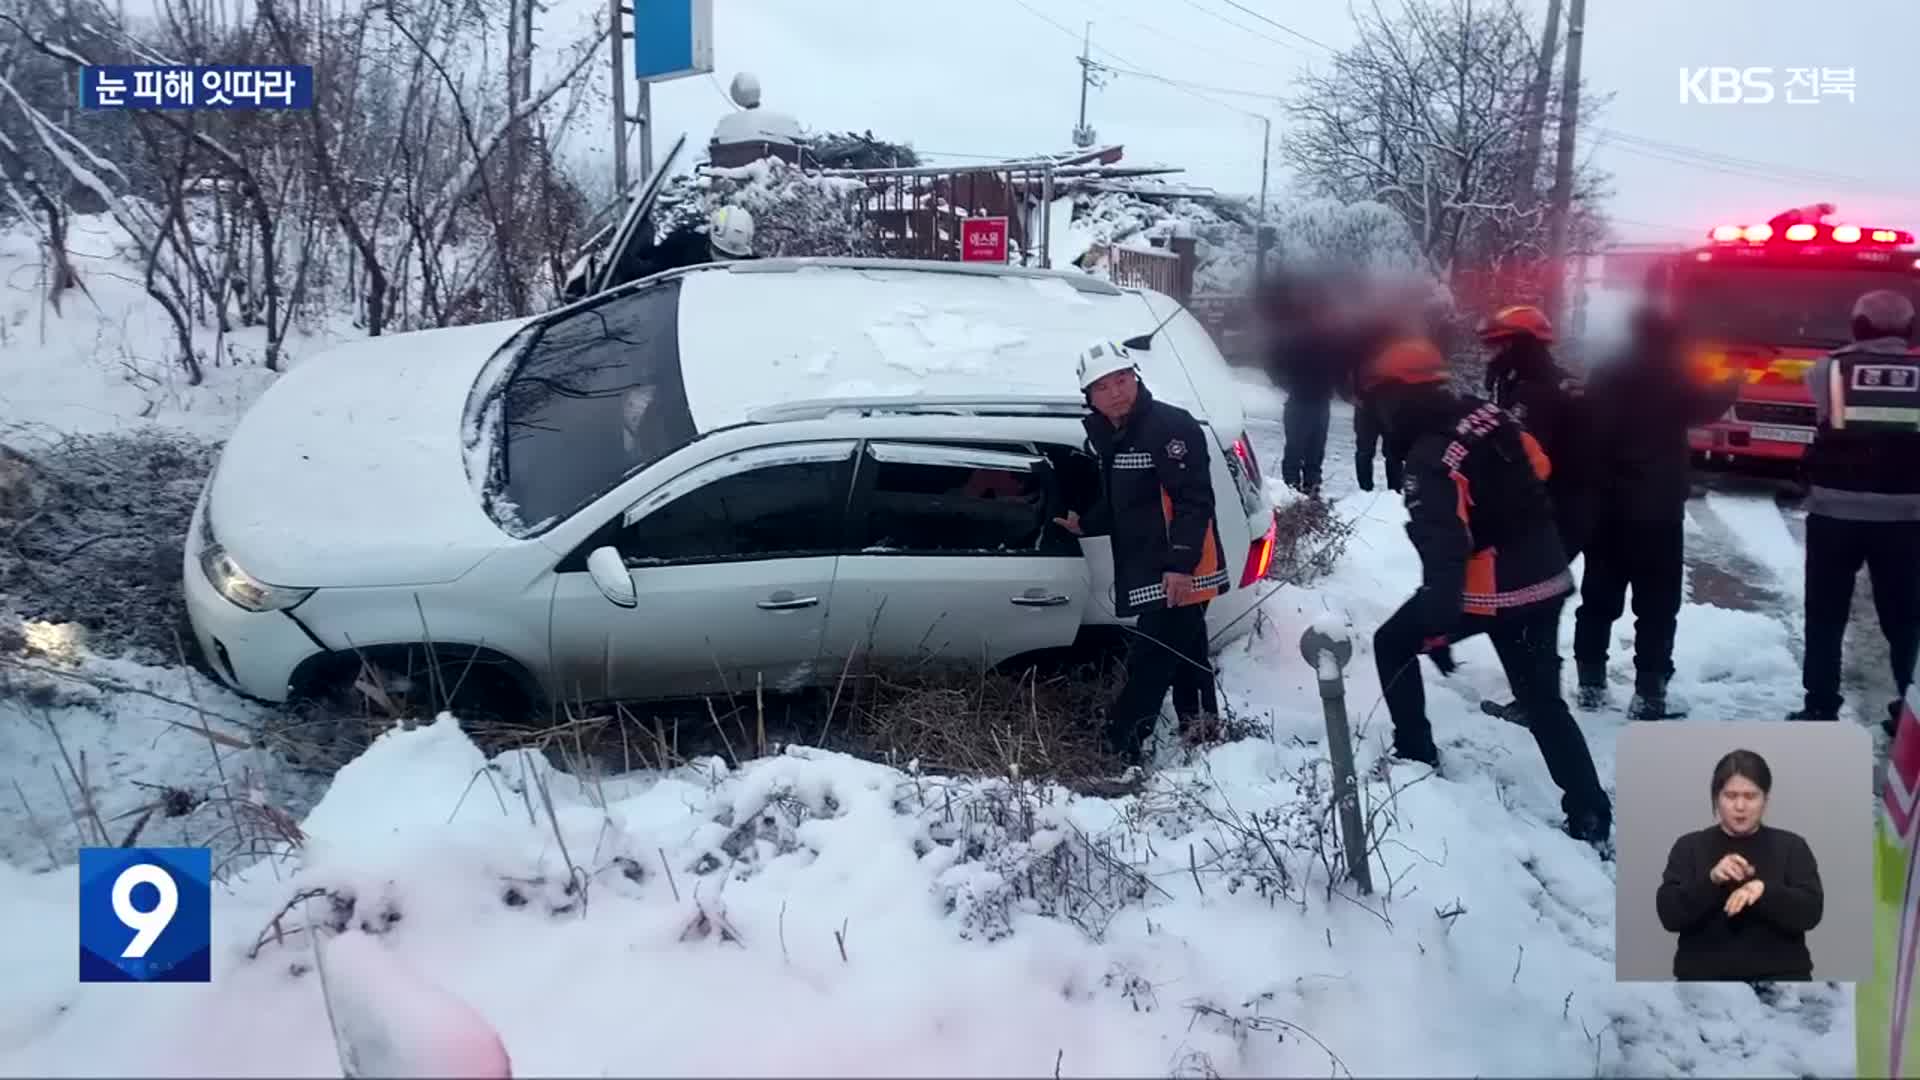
x=1291 y=304
x=1304 y=420
x=1168 y=564
x=1368 y=438
x=727 y=235
x=1524 y=378
x=1491 y=563
x=1740 y=894
x=1863 y=500
x=1640 y=407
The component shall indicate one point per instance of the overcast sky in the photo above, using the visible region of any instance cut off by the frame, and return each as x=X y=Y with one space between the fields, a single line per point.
x=998 y=78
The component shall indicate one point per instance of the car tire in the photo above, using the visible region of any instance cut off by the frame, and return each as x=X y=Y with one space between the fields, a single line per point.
x=334 y=714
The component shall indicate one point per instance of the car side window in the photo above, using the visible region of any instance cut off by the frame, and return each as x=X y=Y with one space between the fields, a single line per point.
x=783 y=503
x=924 y=499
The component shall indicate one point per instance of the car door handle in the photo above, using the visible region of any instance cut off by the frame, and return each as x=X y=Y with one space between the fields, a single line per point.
x=1041 y=599
x=788 y=602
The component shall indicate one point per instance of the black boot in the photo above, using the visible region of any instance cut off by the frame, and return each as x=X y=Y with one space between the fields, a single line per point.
x=1591 y=695
x=1510 y=711
x=1594 y=829
x=1816 y=715
x=1426 y=753
x=1652 y=701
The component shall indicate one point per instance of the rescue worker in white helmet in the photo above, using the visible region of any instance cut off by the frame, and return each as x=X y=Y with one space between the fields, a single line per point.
x=1157 y=506
x=730 y=234
x=1863 y=499
x=728 y=237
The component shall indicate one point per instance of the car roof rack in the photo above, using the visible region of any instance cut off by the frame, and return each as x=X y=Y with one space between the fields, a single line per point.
x=952 y=405
x=1080 y=280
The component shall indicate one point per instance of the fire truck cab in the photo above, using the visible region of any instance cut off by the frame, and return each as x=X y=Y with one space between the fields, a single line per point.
x=1769 y=299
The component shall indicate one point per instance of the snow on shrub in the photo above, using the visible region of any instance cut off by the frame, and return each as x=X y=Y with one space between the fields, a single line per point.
x=1365 y=235
x=795 y=213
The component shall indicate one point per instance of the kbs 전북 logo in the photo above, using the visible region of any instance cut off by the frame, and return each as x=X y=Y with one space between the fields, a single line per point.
x=146 y=914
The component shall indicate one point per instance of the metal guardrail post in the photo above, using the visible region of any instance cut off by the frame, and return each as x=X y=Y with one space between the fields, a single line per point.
x=1328 y=655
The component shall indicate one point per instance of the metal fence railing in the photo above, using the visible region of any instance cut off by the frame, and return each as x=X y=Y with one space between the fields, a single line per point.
x=1145 y=268
x=916 y=213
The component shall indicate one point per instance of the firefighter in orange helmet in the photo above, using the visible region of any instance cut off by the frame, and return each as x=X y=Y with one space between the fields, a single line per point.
x=1524 y=378
x=1491 y=563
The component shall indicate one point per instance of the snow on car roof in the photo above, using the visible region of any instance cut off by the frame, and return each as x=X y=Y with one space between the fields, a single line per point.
x=766 y=333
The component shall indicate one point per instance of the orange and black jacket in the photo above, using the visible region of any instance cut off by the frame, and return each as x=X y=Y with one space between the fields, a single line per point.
x=1478 y=510
x=1158 y=505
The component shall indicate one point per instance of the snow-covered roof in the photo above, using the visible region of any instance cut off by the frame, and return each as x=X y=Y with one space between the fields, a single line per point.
x=757 y=125
x=758 y=334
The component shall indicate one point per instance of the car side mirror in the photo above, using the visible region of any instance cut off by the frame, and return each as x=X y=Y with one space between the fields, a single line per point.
x=609 y=571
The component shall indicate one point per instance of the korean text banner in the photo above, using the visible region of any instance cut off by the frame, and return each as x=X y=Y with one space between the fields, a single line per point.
x=154 y=86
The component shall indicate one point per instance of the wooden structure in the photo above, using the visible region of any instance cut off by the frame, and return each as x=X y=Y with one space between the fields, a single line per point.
x=915 y=213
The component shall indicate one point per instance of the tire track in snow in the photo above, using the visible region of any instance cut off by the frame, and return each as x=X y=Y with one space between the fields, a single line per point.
x=1773 y=538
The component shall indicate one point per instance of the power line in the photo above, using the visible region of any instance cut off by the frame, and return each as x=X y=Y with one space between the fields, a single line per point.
x=1242 y=27
x=1282 y=27
x=1188 y=90
x=1778 y=175
x=1667 y=226
x=1769 y=168
x=1156 y=77
x=1211 y=52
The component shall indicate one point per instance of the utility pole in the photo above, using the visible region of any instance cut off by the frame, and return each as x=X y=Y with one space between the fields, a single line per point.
x=1563 y=163
x=644 y=117
x=1082 y=134
x=1262 y=235
x=615 y=41
x=1266 y=156
x=1526 y=195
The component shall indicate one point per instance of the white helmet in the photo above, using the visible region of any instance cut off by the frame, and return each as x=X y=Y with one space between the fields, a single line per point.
x=1103 y=358
x=731 y=232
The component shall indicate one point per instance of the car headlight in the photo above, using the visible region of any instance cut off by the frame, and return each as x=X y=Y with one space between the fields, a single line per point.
x=239 y=587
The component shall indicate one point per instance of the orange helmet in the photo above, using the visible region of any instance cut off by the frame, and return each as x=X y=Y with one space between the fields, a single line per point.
x=1515 y=321
x=1408 y=360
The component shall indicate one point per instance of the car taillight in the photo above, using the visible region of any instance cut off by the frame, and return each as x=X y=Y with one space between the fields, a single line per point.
x=1260 y=555
x=1243 y=449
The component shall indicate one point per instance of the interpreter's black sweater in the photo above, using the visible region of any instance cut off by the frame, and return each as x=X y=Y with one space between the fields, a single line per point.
x=1765 y=942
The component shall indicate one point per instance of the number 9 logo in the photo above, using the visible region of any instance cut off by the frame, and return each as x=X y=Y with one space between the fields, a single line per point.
x=146 y=925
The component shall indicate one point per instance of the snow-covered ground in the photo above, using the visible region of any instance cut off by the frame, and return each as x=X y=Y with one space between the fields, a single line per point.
x=104 y=360
x=811 y=914
x=814 y=914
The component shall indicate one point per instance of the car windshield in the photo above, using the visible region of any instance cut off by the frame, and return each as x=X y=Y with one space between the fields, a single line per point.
x=1781 y=305
x=596 y=396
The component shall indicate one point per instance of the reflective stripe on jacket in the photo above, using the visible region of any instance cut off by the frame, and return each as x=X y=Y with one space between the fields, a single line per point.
x=1157 y=488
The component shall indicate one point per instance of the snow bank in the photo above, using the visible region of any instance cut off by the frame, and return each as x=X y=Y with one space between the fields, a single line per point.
x=105 y=359
x=134 y=732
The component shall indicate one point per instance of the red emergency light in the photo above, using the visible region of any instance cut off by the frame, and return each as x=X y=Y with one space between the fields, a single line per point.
x=1805 y=232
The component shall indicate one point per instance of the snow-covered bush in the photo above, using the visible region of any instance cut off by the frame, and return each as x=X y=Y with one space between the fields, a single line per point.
x=1361 y=236
x=794 y=212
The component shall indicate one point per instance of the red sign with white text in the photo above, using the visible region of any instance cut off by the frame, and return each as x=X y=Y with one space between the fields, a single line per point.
x=983 y=239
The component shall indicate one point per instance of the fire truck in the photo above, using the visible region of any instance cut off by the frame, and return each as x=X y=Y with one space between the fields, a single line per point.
x=1769 y=299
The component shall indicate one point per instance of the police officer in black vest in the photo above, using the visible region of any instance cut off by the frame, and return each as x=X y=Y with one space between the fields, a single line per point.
x=1863 y=503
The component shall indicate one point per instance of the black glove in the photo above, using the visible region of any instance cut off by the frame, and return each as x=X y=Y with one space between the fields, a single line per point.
x=1440 y=652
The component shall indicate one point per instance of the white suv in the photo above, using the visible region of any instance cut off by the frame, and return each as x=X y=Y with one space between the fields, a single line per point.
x=737 y=474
